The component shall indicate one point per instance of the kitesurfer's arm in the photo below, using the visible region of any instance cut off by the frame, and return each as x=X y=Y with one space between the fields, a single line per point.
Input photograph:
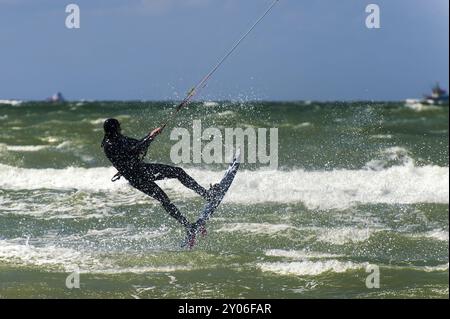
x=143 y=144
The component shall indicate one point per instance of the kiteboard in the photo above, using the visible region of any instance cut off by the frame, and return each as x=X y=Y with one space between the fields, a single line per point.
x=212 y=205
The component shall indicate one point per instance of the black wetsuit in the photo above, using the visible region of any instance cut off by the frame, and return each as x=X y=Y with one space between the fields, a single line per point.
x=126 y=154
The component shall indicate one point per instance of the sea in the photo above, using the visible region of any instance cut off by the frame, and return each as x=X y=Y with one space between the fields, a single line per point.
x=356 y=207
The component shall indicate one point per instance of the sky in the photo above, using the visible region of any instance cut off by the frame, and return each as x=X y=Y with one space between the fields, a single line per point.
x=159 y=49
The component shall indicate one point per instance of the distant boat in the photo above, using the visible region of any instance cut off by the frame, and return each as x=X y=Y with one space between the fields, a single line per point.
x=438 y=97
x=56 y=98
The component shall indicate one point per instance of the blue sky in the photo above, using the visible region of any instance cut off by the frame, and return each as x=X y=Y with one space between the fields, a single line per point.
x=158 y=49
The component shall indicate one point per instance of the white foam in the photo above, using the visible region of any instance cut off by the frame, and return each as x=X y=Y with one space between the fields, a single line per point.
x=124 y=233
x=98 y=121
x=26 y=148
x=50 y=139
x=79 y=204
x=340 y=236
x=310 y=268
x=437 y=234
x=11 y=102
x=63 y=145
x=35 y=148
x=302 y=125
x=210 y=104
x=299 y=254
x=101 y=120
x=390 y=156
x=396 y=153
x=97 y=179
x=338 y=189
x=23 y=253
x=417 y=106
x=255 y=228
x=107 y=232
x=443 y=267
x=68 y=260
x=226 y=114
x=381 y=136
x=138 y=270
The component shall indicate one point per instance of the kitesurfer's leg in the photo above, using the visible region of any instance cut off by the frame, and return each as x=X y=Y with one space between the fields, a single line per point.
x=157 y=193
x=161 y=171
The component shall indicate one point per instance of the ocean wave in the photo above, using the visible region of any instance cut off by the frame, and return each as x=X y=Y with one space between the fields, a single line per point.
x=419 y=107
x=34 y=148
x=296 y=126
x=335 y=236
x=210 y=104
x=439 y=268
x=302 y=262
x=139 y=270
x=318 y=267
x=26 y=148
x=98 y=121
x=50 y=139
x=255 y=228
x=93 y=179
x=11 y=102
x=338 y=189
x=391 y=156
x=43 y=204
x=299 y=254
x=302 y=125
x=381 y=136
x=123 y=233
x=63 y=259
x=310 y=268
x=48 y=256
x=341 y=236
x=226 y=114
x=437 y=234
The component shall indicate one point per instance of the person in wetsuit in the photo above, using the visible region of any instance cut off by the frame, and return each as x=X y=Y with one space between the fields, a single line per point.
x=127 y=154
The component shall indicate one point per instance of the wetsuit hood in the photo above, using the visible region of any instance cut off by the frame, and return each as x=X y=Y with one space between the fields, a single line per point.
x=111 y=127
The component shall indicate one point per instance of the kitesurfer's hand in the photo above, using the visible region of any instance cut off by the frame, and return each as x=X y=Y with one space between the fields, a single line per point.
x=155 y=132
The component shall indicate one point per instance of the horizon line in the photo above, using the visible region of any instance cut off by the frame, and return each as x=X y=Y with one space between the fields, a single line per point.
x=205 y=100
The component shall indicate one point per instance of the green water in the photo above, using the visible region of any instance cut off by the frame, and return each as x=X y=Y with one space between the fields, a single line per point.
x=357 y=184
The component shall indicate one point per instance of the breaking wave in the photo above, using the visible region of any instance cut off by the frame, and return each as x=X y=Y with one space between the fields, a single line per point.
x=337 y=189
